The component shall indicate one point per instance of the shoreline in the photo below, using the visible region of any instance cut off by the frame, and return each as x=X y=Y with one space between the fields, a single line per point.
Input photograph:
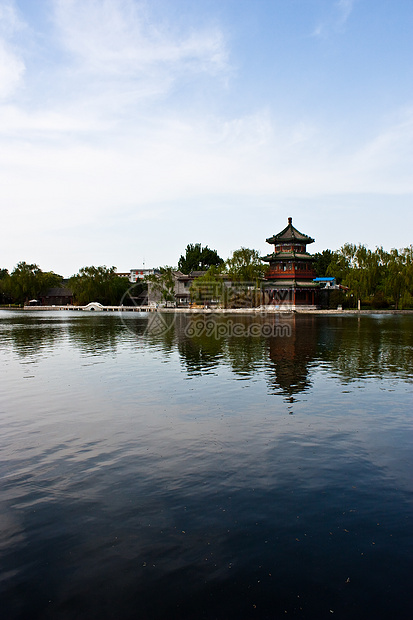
x=246 y=311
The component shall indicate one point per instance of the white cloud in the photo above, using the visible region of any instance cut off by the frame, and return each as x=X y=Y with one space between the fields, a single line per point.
x=104 y=138
x=115 y=39
x=11 y=65
x=11 y=71
x=336 y=20
x=385 y=161
x=10 y=21
x=170 y=160
x=344 y=8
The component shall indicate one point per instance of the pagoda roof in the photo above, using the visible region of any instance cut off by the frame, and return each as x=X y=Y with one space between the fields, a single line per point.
x=290 y=234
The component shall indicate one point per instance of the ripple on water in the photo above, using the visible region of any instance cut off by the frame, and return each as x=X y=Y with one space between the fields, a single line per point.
x=126 y=486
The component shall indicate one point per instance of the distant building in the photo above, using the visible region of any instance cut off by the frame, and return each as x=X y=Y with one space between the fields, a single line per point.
x=326 y=282
x=138 y=274
x=330 y=294
x=183 y=283
x=57 y=296
x=291 y=274
x=182 y=286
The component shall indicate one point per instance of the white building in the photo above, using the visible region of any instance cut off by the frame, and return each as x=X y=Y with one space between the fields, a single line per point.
x=140 y=273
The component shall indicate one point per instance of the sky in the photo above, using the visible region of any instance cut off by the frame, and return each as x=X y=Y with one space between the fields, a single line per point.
x=129 y=129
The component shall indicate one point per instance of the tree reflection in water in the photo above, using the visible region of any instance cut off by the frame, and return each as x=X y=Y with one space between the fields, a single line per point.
x=351 y=346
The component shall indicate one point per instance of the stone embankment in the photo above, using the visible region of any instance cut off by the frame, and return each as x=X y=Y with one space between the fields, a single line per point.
x=199 y=310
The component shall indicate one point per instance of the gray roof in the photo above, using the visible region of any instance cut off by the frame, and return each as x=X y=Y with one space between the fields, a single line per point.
x=58 y=291
x=183 y=276
x=290 y=233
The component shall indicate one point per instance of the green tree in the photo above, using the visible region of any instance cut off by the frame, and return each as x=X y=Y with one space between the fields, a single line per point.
x=209 y=287
x=245 y=271
x=338 y=267
x=398 y=279
x=4 y=286
x=321 y=262
x=376 y=277
x=28 y=281
x=198 y=258
x=162 y=284
x=245 y=265
x=101 y=284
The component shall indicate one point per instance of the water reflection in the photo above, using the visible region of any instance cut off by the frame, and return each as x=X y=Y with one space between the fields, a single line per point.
x=32 y=336
x=353 y=347
x=371 y=346
x=291 y=357
x=95 y=335
x=128 y=490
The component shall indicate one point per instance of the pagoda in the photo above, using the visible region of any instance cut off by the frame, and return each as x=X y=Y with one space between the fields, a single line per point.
x=290 y=274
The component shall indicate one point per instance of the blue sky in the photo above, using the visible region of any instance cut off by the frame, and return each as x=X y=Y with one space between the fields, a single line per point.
x=130 y=129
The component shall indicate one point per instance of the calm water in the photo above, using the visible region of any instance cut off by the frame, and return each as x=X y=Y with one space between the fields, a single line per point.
x=166 y=469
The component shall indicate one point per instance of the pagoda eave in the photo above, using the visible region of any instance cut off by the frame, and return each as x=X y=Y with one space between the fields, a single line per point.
x=286 y=256
x=288 y=284
x=289 y=239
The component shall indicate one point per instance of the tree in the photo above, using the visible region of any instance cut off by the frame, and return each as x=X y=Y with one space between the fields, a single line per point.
x=244 y=270
x=245 y=265
x=27 y=281
x=198 y=258
x=4 y=286
x=100 y=284
x=162 y=284
x=208 y=287
x=398 y=279
x=321 y=262
x=376 y=277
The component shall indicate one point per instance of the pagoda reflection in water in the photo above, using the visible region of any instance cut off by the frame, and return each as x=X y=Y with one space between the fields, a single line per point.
x=291 y=357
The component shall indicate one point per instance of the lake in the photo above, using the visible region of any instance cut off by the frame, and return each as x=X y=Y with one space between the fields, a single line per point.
x=172 y=466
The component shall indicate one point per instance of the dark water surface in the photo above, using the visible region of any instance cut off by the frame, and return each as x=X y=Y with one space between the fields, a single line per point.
x=166 y=469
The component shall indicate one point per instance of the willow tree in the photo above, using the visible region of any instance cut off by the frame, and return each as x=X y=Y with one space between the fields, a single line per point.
x=373 y=275
x=27 y=281
x=161 y=285
x=209 y=287
x=245 y=265
x=398 y=280
x=101 y=284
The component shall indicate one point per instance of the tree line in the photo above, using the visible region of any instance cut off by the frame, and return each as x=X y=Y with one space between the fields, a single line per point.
x=25 y=282
x=378 y=278
x=243 y=267
x=28 y=282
